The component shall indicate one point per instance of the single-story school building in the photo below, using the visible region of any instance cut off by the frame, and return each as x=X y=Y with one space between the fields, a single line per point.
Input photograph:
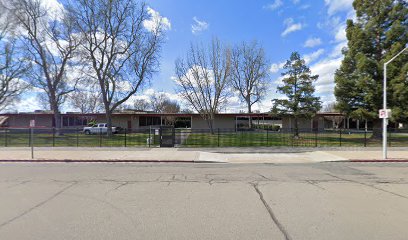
x=143 y=120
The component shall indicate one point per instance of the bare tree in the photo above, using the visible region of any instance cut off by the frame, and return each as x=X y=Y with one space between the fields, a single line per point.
x=170 y=106
x=203 y=78
x=249 y=73
x=157 y=102
x=161 y=103
x=123 y=54
x=12 y=69
x=329 y=107
x=50 y=43
x=86 y=100
x=141 y=104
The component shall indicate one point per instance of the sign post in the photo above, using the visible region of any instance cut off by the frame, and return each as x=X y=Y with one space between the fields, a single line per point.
x=32 y=125
x=385 y=114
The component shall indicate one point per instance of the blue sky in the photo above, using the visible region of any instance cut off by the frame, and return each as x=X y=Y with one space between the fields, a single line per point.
x=314 y=28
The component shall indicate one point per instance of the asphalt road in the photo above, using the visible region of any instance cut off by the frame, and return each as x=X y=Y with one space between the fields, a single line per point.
x=203 y=201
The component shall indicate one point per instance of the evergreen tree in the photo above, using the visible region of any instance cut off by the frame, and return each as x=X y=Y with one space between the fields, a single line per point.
x=299 y=90
x=379 y=32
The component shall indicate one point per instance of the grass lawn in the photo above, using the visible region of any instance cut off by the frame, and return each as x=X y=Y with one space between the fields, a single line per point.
x=77 y=140
x=322 y=139
x=187 y=139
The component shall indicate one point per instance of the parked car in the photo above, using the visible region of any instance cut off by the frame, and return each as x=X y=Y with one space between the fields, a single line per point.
x=99 y=128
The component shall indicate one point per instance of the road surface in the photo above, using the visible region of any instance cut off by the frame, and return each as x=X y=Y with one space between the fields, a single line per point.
x=203 y=201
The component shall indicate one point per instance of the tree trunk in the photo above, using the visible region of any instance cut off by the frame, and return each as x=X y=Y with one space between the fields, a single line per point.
x=57 y=117
x=210 y=123
x=249 y=111
x=108 y=115
x=296 y=134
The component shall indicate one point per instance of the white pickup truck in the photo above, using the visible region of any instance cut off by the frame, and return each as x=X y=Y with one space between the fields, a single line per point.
x=99 y=128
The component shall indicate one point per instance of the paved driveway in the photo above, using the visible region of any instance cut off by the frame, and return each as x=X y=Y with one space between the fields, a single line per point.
x=203 y=201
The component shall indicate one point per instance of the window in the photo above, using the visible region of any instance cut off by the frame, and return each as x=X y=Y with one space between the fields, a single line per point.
x=74 y=121
x=149 y=121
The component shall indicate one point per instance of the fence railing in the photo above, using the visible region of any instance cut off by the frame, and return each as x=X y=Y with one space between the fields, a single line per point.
x=50 y=137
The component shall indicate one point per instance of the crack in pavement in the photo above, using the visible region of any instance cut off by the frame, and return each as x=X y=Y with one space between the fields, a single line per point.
x=369 y=185
x=20 y=183
x=271 y=214
x=315 y=183
x=37 y=205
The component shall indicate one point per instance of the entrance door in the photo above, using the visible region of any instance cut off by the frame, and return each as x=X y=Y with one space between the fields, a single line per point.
x=167 y=136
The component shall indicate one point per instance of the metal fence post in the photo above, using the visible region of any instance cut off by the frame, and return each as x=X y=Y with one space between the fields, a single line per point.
x=267 y=137
x=365 y=138
x=100 y=137
x=5 y=137
x=150 y=129
x=316 y=137
x=389 y=138
x=125 y=137
x=340 y=137
x=53 y=137
x=77 y=137
x=218 y=130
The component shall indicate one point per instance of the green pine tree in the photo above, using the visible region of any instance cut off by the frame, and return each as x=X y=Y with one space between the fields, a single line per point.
x=379 y=32
x=299 y=90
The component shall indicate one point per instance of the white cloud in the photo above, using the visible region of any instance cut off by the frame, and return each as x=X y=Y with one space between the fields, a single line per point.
x=296 y=1
x=312 y=42
x=326 y=69
x=313 y=56
x=156 y=20
x=275 y=5
x=29 y=104
x=334 y=6
x=276 y=67
x=199 y=26
x=340 y=33
x=291 y=26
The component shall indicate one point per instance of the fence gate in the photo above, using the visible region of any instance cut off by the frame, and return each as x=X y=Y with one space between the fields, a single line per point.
x=167 y=136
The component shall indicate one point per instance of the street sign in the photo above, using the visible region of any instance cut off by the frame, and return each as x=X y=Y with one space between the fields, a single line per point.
x=385 y=113
x=32 y=123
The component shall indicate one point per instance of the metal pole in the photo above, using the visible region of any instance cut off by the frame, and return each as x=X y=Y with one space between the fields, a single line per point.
x=385 y=109
x=5 y=137
x=125 y=137
x=385 y=120
x=53 y=137
x=32 y=142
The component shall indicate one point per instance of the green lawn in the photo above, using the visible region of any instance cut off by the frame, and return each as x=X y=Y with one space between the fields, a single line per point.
x=322 y=139
x=221 y=139
x=77 y=140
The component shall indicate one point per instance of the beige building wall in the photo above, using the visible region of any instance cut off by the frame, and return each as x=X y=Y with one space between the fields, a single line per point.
x=222 y=122
x=24 y=120
x=303 y=123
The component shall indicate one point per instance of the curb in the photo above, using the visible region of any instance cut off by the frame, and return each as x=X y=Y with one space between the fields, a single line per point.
x=98 y=161
x=379 y=160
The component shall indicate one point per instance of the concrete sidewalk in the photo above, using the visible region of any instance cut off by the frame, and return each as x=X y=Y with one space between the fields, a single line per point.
x=225 y=155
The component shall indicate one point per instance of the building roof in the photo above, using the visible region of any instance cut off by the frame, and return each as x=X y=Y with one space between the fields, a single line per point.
x=147 y=114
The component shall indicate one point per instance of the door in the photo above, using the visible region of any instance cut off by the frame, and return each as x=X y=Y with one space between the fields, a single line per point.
x=167 y=136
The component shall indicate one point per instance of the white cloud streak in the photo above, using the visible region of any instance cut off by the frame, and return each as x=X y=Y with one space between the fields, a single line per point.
x=273 y=6
x=312 y=42
x=199 y=26
x=156 y=20
x=291 y=26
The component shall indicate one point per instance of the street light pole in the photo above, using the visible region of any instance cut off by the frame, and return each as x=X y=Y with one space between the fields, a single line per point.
x=385 y=120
